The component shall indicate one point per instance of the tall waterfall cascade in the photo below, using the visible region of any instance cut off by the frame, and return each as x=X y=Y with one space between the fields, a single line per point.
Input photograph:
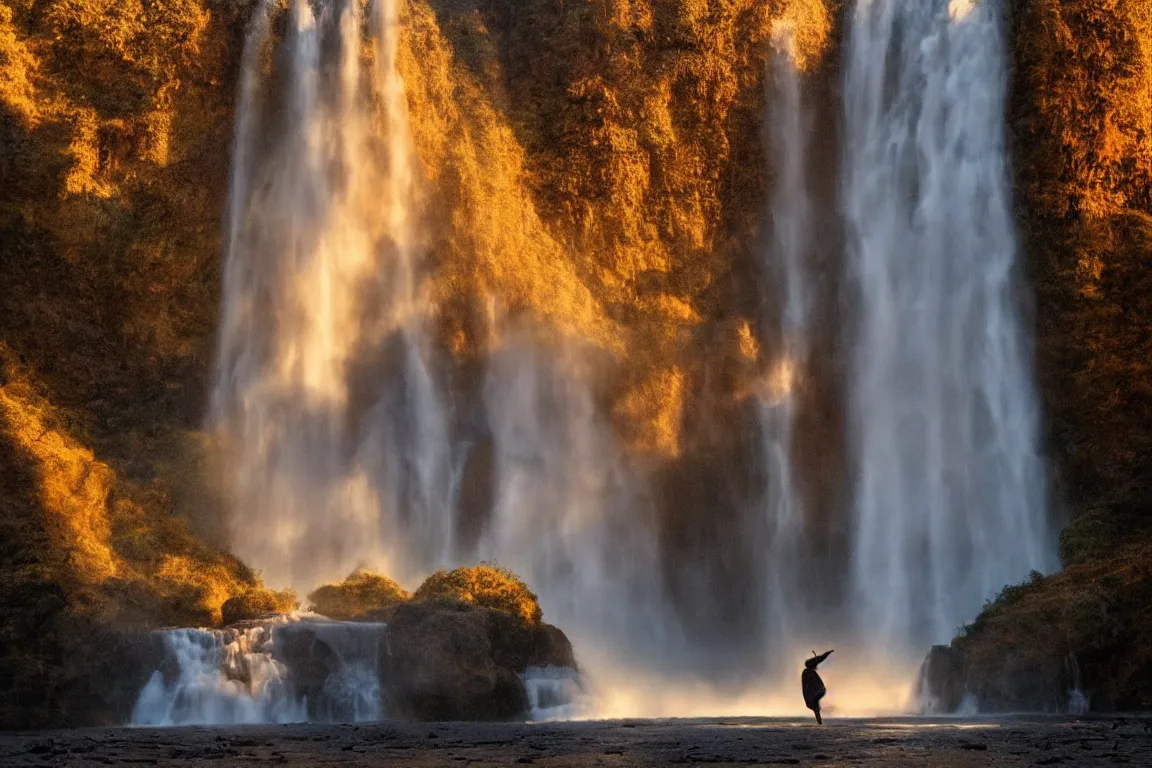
x=783 y=264
x=322 y=290
x=949 y=500
x=348 y=442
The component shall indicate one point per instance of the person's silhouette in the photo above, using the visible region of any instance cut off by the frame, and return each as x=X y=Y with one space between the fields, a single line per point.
x=812 y=685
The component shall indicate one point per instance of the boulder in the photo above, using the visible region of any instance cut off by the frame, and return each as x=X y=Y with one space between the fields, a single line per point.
x=256 y=603
x=339 y=668
x=940 y=689
x=443 y=664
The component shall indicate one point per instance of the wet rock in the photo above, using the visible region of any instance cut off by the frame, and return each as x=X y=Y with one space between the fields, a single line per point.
x=444 y=665
x=941 y=682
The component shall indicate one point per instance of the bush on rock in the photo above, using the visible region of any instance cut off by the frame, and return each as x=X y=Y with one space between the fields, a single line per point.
x=486 y=585
x=257 y=602
x=358 y=595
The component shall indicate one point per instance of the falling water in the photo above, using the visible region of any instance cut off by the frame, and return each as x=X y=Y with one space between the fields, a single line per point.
x=1078 y=701
x=283 y=670
x=221 y=677
x=327 y=390
x=334 y=407
x=783 y=264
x=322 y=293
x=555 y=693
x=566 y=511
x=950 y=494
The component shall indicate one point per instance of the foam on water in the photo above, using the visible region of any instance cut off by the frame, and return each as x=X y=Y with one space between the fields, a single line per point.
x=254 y=674
x=223 y=677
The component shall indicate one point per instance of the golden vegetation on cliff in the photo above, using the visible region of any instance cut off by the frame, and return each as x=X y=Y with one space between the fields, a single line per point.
x=597 y=166
x=1082 y=119
x=488 y=239
x=115 y=119
x=1086 y=71
x=111 y=544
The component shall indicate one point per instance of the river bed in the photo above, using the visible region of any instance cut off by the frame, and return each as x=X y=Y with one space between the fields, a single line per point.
x=1006 y=741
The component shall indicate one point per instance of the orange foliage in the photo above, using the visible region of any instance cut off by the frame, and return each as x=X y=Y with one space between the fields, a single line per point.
x=596 y=167
x=487 y=585
x=362 y=592
x=103 y=533
x=1082 y=120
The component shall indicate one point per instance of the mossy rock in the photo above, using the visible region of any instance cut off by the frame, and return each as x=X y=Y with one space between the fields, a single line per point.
x=1085 y=627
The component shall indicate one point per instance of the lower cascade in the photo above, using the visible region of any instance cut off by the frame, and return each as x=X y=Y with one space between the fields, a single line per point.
x=218 y=677
x=554 y=693
x=283 y=670
x=294 y=669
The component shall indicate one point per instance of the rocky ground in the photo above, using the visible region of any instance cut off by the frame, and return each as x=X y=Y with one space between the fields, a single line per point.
x=1011 y=741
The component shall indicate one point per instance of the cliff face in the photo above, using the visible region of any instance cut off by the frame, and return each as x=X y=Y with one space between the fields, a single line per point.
x=1082 y=123
x=597 y=167
x=114 y=124
x=115 y=121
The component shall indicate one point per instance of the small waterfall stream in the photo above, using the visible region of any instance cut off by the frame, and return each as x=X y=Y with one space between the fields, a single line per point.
x=222 y=677
x=783 y=265
x=1078 y=701
x=284 y=670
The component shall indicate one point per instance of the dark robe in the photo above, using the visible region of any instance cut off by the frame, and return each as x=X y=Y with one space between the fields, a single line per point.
x=813 y=691
x=812 y=685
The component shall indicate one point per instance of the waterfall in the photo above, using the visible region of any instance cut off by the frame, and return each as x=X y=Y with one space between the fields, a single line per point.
x=1078 y=701
x=345 y=449
x=783 y=266
x=949 y=499
x=222 y=677
x=325 y=390
x=555 y=693
x=285 y=670
x=566 y=512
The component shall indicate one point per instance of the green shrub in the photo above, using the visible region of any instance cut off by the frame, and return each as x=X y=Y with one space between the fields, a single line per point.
x=487 y=585
x=362 y=592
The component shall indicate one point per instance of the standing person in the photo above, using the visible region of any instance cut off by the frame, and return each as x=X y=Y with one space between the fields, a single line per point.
x=812 y=685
